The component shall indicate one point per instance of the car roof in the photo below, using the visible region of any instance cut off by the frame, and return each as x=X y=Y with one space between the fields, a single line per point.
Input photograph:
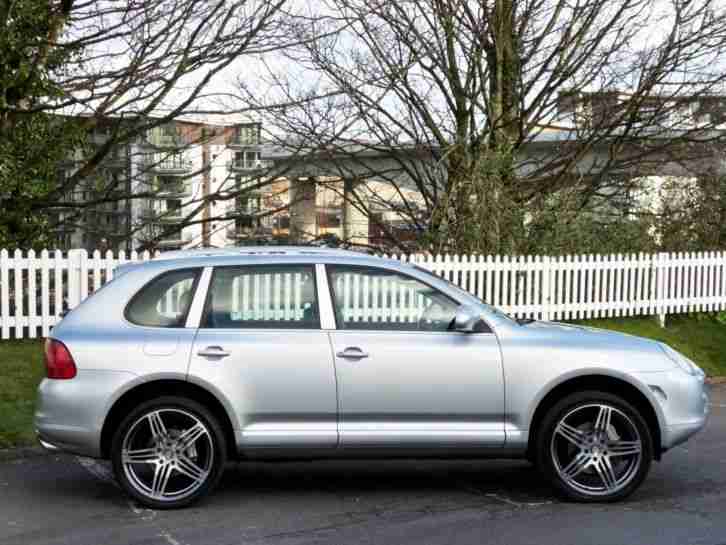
x=268 y=254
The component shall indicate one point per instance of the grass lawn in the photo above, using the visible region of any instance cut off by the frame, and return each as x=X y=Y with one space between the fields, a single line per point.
x=701 y=338
x=21 y=368
x=698 y=336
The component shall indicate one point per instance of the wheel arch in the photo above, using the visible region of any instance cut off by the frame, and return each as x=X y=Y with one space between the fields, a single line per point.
x=635 y=394
x=163 y=387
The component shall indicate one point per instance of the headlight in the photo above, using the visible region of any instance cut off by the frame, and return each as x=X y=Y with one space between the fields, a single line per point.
x=682 y=361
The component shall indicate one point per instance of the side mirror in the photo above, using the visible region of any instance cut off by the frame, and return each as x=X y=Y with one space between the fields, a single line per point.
x=468 y=320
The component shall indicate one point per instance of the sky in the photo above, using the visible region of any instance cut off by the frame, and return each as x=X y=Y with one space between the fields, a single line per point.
x=254 y=69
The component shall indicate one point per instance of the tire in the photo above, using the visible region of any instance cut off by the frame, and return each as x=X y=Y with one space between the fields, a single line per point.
x=594 y=447
x=169 y=453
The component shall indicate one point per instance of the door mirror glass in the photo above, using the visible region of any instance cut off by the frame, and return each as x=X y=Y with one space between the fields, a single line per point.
x=468 y=320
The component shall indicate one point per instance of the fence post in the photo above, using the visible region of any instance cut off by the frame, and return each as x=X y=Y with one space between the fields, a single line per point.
x=661 y=271
x=75 y=258
x=546 y=315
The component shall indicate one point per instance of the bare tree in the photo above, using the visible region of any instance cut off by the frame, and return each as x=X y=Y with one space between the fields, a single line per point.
x=124 y=68
x=489 y=108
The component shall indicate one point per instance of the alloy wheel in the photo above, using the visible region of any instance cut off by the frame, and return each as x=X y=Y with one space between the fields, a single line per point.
x=167 y=454
x=596 y=449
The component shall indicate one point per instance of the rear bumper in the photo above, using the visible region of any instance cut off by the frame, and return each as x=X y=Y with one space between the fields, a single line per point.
x=70 y=414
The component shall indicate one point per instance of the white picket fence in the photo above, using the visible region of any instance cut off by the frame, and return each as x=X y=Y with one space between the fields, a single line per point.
x=36 y=287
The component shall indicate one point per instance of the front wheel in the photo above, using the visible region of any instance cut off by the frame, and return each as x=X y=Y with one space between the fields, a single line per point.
x=594 y=447
x=168 y=453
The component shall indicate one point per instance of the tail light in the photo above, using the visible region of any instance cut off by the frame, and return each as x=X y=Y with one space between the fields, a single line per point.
x=58 y=360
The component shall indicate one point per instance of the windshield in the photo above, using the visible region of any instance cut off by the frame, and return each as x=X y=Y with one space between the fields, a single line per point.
x=467 y=295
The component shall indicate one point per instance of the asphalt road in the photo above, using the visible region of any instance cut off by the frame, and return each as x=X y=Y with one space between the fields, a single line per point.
x=66 y=500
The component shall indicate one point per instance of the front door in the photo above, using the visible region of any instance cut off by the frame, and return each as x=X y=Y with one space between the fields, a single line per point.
x=260 y=345
x=404 y=378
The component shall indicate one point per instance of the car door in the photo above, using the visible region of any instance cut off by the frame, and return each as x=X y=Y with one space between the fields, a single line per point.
x=404 y=378
x=261 y=347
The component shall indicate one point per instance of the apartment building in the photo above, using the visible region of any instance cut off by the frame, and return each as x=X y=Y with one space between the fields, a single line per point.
x=187 y=184
x=153 y=192
x=588 y=110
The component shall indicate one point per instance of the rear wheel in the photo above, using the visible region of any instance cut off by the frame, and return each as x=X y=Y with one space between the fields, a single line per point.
x=169 y=453
x=594 y=447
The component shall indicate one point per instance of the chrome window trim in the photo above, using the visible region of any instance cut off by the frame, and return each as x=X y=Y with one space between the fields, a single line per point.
x=213 y=269
x=421 y=332
x=200 y=297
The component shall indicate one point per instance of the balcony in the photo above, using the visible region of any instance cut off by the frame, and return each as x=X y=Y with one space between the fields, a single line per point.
x=246 y=141
x=256 y=165
x=171 y=240
x=170 y=165
x=116 y=162
x=246 y=135
x=165 y=137
x=169 y=141
x=235 y=232
x=165 y=190
x=151 y=215
x=242 y=232
x=249 y=188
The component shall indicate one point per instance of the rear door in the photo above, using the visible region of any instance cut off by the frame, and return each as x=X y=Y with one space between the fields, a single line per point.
x=261 y=347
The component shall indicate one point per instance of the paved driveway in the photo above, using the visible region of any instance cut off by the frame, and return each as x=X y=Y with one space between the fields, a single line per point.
x=66 y=500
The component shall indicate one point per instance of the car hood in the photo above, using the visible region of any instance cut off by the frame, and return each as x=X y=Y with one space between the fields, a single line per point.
x=593 y=334
x=560 y=327
x=559 y=342
x=585 y=336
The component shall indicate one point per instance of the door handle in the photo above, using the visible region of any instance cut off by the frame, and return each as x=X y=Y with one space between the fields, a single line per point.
x=213 y=352
x=352 y=352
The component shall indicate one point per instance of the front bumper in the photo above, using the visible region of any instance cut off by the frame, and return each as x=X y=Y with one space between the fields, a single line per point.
x=70 y=414
x=684 y=407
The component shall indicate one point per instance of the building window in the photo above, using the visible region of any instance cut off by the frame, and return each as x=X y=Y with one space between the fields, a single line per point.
x=244 y=222
x=329 y=219
x=173 y=205
x=248 y=135
x=246 y=159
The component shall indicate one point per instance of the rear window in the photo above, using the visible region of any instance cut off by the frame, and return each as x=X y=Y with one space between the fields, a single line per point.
x=165 y=301
x=262 y=297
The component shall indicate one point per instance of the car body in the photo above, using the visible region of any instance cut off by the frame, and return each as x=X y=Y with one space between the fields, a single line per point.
x=275 y=353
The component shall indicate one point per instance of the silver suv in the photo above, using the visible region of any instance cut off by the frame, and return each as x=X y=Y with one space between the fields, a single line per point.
x=185 y=362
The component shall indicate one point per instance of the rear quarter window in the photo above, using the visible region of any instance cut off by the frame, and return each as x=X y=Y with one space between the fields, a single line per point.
x=165 y=300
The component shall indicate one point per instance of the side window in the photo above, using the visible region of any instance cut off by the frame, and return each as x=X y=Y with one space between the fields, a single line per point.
x=269 y=297
x=377 y=299
x=165 y=301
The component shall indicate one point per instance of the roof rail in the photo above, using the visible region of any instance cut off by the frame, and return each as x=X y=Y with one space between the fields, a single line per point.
x=256 y=250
